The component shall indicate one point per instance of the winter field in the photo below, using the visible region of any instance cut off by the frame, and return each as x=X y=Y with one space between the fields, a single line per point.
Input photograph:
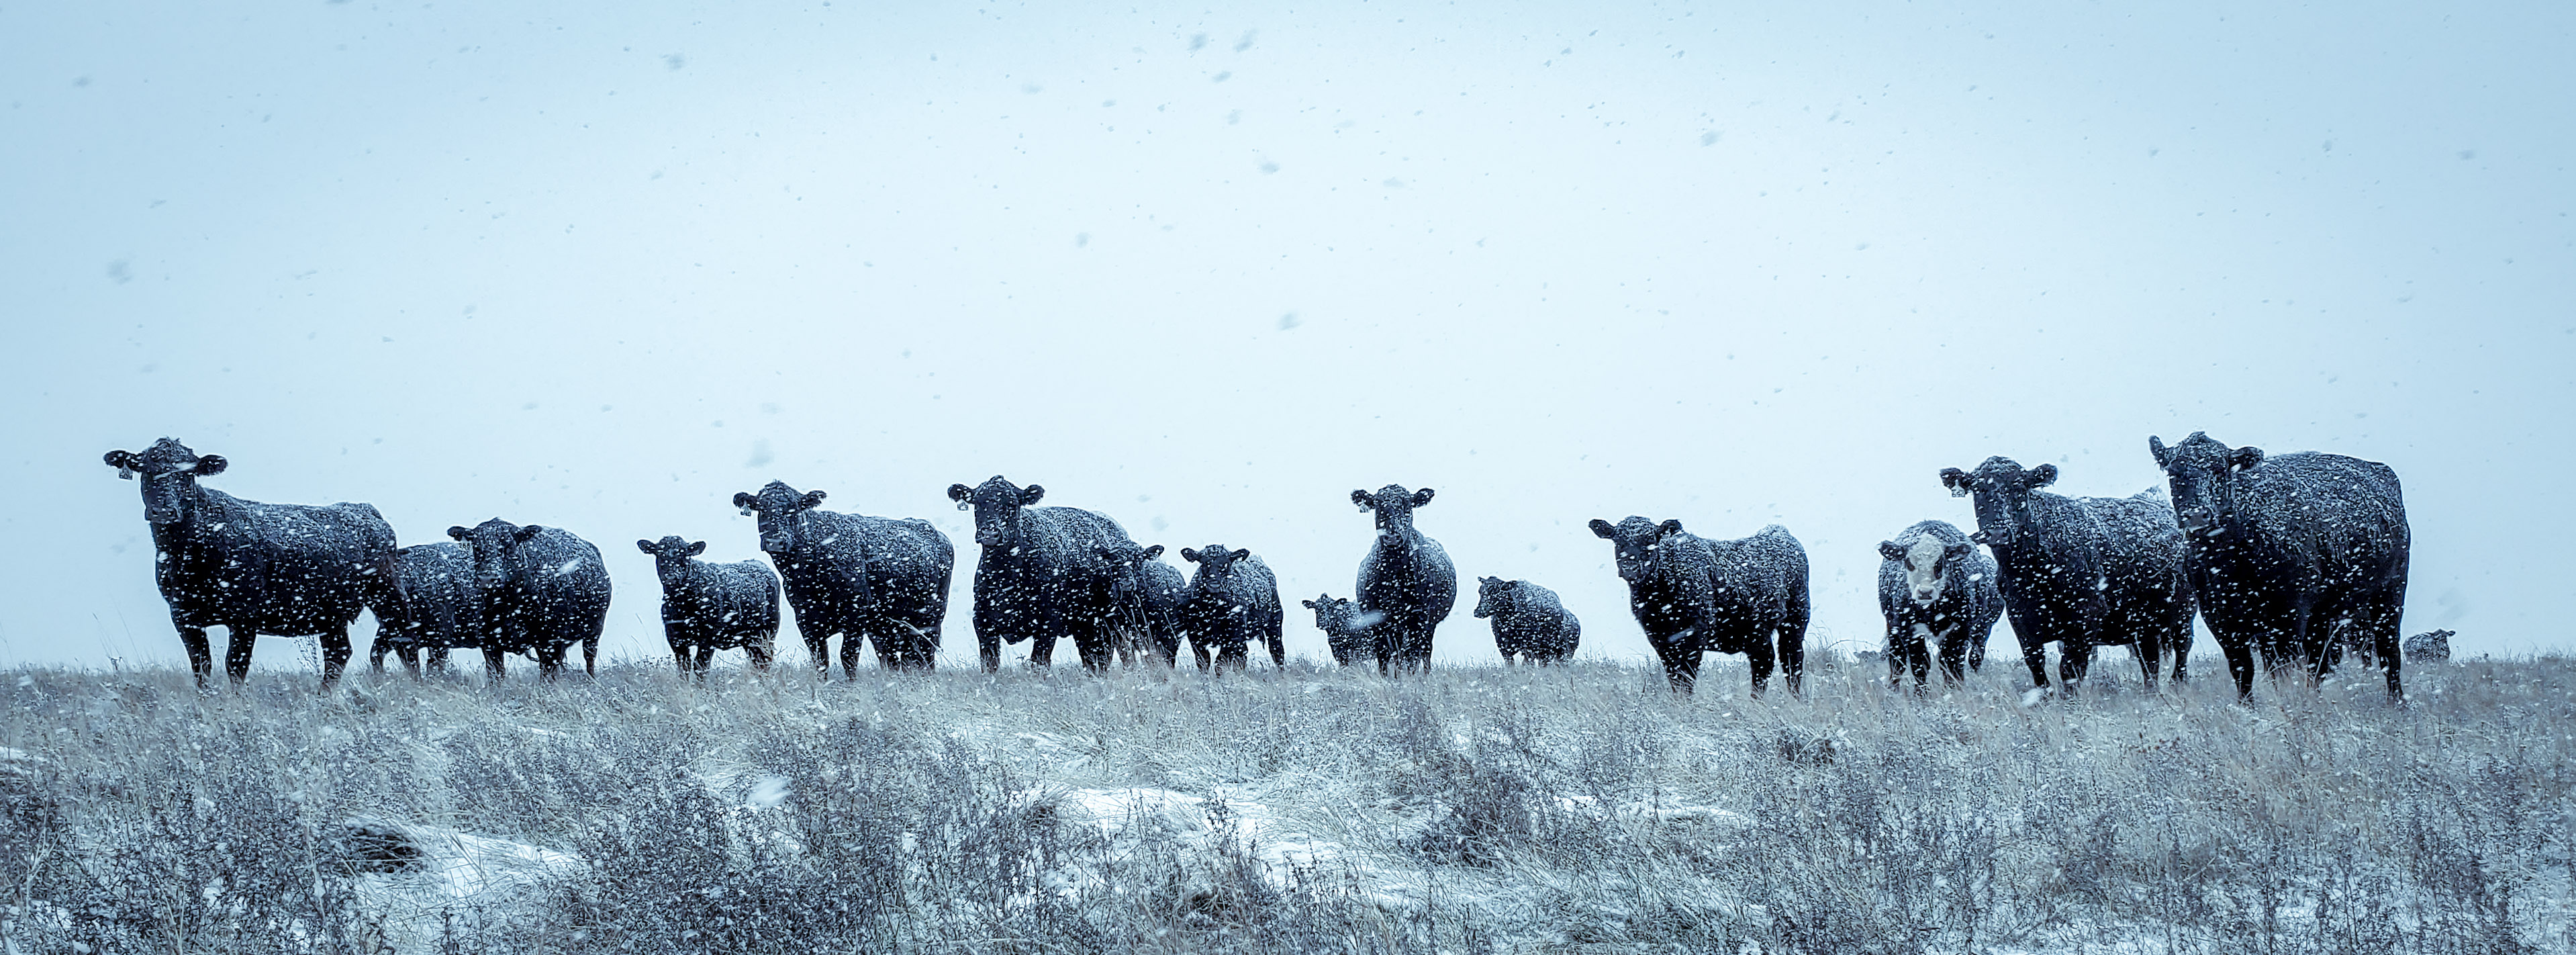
x=1573 y=809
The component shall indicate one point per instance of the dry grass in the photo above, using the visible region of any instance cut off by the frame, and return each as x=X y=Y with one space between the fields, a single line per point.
x=1569 y=808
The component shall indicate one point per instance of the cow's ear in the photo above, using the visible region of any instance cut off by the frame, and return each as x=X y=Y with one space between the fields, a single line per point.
x=2041 y=476
x=1887 y=550
x=522 y=534
x=646 y=546
x=1190 y=554
x=2244 y=457
x=2164 y=455
x=457 y=531
x=960 y=493
x=1030 y=494
x=1422 y=497
x=1958 y=551
x=1360 y=498
x=213 y=464
x=1243 y=553
x=695 y=549
x=1153 y=552
x=1601 y=528
x=1956 y=480
x=1310 y=605
x=811 y=499
x=123 y=462
x=1668 y=529
x=744 y=500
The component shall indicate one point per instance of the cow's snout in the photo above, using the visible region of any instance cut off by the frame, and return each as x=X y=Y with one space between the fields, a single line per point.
x=776 y=544
x=2195 y=518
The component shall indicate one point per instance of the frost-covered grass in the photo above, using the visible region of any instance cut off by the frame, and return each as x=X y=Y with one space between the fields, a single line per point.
x=1575 y=808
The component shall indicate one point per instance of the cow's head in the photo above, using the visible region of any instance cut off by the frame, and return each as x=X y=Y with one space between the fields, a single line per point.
x=1927 y=560
x=1394 y=506
x=777 y=506
x=1338 y=616
x=2198 y=470
x=169 y=472
x=1495 y=595
x=671 y=558
x=997 y=505
x=494 y=543
x=1126 y=562
x=1215 y=561
x=1637 y=543
x=2000 y=489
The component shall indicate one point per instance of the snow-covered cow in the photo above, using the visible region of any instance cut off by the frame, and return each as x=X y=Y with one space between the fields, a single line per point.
x=1406 y=580
x=543 y=590
x=708 y=607
x=2084 y=572
x=1934 y=585
x=1530 y=624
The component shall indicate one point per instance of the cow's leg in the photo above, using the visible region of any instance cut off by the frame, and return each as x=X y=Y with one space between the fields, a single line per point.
x=818 y=646
x=1278 y=647
x=1757 y=651
x=1954 y=653
x=1976 y=646
x=590 y=655
x=410 y=656
x=201 y=656
x=2150 y=649
x=437 y=660
x=851 y=648
x=1918 y=657
x=2034 y=653
x=1199 y=650
x=1235 y=657
x=550 y=663
x=1681 y=668
x=892 y=647
x=2240 y=665
x=335 y=655
x=680 y=655
x=1792 y=638
x=376 y=652
x=237 y=644
x=706 y=660
x=493 y=666
x=2074 y=657
x=759 y=653
x=1042 y=649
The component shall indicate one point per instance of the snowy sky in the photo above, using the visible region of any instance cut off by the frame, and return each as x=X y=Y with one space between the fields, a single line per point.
x=1207 y=272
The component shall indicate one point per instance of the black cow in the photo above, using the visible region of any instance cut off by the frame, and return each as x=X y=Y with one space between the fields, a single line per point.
x=1345 y=627
x=286 y=569
x=2431 y=646
x=1042 y=577
x=709 y=607
x=1529 y=623
x=435 y=607
x=2085 y=572
x=1406 y=579
x=1138 y=575
x=543 y=591
x=1232 y=601
x=864 y=578
x=1693 y=595
x=2291 y=552
x=1934 y=585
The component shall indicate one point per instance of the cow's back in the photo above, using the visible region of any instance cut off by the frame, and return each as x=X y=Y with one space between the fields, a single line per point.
x=561 y=577
x=287 y=569
x=2341 y=516
x=434 y=598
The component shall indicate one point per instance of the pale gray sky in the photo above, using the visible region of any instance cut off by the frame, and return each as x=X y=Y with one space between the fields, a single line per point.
x=1209 y=271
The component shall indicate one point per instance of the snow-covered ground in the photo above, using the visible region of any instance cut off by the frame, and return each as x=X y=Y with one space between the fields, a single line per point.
x=1574 y=808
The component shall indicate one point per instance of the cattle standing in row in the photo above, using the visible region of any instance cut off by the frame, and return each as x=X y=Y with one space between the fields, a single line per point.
x=1345 y=627
x=1693 y=595
x=1232 y=603
x=863 y=578
x=1138 y=576
x=708 y=607
x=1933 y=585
x=435 y=607
x=1406 y=580
x=543 y=591
x=2287 y=551
x=1041 y=576
x=2085 y=572
x=1529 y=623
x=285 y=569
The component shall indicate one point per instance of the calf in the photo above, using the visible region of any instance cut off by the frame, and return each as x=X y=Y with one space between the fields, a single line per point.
x=1137 y=576
x=1042 y=578
x=863 y=578
x=1232 y=601
x=2084 y=572
x=2290 y=553
x=1693 y=595
x=1345 y=627
x=710 y=607
x=434 y=607
x=253 y=568
x=1529 y=624
x=1934 y=585
x=2429 y=647
x=1406 y=579
x=543 y=591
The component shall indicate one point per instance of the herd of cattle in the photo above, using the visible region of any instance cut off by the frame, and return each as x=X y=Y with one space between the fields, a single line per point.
x=2298 y=557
